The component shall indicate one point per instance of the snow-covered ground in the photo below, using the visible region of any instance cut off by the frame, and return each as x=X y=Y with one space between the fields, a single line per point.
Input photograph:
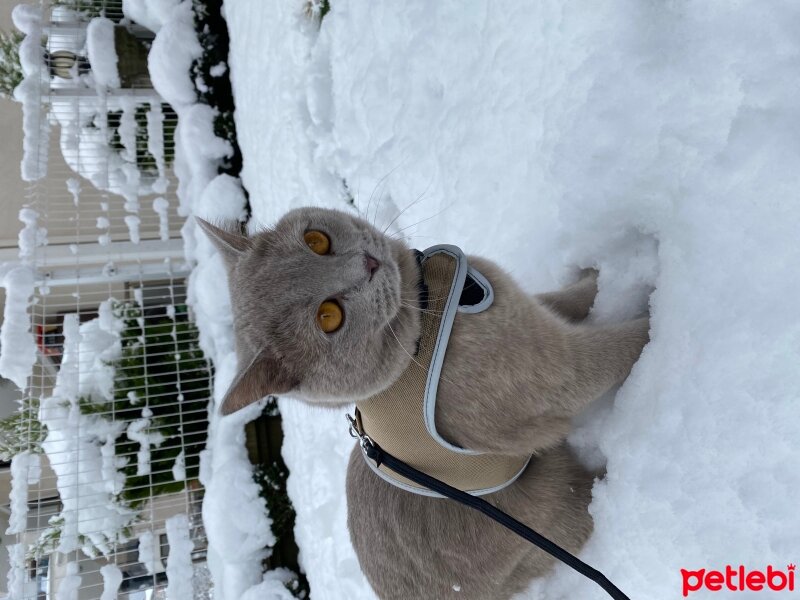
x=656 y=141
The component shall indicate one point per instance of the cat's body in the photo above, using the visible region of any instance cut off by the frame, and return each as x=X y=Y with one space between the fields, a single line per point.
x=413 y=546
x=513 y=378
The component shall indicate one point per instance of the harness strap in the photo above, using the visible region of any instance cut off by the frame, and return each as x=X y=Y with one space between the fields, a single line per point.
x=380 y=456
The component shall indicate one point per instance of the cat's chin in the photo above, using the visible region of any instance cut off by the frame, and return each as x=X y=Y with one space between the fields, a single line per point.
x=329 y=401
x=323 y=402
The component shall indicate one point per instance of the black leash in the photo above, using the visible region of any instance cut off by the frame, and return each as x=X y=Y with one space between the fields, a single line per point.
x=380 y=456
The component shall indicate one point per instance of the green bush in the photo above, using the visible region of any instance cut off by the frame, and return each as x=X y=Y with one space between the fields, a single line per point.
x=161 y=359
x=10 y=67
x=22 y=431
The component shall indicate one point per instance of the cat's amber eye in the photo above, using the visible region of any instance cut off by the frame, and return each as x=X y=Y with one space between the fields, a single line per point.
x=329 y=316
x=317 y=241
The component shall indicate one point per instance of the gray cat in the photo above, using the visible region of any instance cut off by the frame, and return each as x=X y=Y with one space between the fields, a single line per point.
x=326 y=308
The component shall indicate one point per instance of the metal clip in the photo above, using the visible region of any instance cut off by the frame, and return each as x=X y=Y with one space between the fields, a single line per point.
x=355 y=432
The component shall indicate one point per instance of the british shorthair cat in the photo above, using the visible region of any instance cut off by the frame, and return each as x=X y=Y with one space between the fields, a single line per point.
x=327 y=309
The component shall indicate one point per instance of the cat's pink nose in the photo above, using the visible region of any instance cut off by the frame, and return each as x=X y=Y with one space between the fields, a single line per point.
x=371 y=263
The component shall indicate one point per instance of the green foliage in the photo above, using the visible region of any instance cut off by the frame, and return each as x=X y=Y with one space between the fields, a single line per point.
x=161 y=359
x=212 y=33
x=22 y=431
x=317 y=9
x=272 y=480
x=50 y=538
x=144 y=160
x=271 y=476
x=10 y=67
x=324 y=8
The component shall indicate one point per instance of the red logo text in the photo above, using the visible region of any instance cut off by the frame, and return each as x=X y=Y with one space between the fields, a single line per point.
x=738 y=579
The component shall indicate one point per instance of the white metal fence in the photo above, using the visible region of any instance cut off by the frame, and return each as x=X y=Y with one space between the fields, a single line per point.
x=107 y=498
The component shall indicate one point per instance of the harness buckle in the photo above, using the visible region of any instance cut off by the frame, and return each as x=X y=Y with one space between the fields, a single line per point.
x=357 y=431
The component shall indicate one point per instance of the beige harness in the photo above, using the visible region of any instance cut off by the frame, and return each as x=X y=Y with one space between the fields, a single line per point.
x=401 y=419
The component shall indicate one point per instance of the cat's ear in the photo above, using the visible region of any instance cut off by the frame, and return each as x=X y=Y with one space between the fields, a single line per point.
x=228 y=239
x=265 y=375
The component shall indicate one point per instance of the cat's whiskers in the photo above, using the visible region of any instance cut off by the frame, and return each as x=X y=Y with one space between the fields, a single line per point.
x=414 y=360
x=422 y=310
x=418 y=198
x=399 y=343
x=441 y=376
x=382 y=182
x=405 y=238
x=433 y=216
x=414 y=298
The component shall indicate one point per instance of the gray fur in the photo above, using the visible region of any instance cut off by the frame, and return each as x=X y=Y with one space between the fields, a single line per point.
x=513 y=378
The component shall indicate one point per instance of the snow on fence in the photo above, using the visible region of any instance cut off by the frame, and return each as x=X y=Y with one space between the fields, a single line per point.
x=104 y=450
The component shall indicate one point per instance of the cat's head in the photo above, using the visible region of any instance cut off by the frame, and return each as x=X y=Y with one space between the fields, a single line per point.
x=325 y=307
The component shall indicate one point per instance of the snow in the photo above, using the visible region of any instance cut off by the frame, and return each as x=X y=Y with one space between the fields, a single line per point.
x=200 y=84
x=132 y=221
x=137 y=432
x=236 y=538
x=102 y=52
x=127 y=132
x=201 y=147
x=99 y=346
x=171 y=56
x=155 y=145
x=31 y=236
x=83 y=117
x=273 y=587
x=25 y=469
x=88 y=507
x=19 y=585
x=17 y=348
x=218 y=70
x=149 y=13
x=223 y=198
x=179 y=561
x=35 y=125
x=149 y=553
x=74 y=188
x=27 y=18
x=657 y=142
x=85 y=148
x=69 y=371
x=179 y=467
x=69 y=586
x=112 y=579
x=161 y=206
x=80 y=447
